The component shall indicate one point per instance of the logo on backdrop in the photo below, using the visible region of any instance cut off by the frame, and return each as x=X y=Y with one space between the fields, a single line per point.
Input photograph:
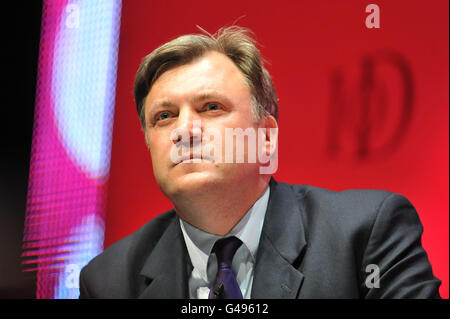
x=371 y=107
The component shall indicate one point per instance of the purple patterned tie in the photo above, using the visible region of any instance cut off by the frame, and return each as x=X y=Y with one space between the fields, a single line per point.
x=225 y=286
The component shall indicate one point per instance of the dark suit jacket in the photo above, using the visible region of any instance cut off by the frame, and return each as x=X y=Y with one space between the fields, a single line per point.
x=315 y=243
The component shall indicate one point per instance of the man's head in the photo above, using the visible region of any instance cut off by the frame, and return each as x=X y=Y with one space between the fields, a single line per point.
x=234 y=42
x=218 y=81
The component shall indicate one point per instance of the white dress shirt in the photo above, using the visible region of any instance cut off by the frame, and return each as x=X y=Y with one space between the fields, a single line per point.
x=199 y=245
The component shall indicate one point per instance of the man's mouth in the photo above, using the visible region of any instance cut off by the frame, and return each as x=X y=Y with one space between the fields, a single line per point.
x=191 y=158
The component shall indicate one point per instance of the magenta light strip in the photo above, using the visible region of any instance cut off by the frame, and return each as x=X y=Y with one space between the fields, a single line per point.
x=71 y=146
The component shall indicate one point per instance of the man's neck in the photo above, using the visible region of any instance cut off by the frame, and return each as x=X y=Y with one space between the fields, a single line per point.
x=219 y=210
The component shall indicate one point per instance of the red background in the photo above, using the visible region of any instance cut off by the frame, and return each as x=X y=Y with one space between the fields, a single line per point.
x=305 y=43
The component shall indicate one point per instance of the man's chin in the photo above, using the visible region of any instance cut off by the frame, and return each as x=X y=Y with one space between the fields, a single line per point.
x=192 y=180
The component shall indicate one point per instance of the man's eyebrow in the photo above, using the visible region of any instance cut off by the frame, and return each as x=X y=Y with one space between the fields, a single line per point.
x=161 y=103
x=202 y=96
x=213 y=95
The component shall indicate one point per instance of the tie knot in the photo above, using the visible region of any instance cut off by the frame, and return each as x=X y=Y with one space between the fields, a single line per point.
x=225 y=250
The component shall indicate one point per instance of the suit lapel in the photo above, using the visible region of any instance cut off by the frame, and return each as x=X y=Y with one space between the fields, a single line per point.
x=167 y=266
x=281 y=247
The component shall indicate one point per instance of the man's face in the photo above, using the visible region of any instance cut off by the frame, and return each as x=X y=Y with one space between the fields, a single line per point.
x=211 y=89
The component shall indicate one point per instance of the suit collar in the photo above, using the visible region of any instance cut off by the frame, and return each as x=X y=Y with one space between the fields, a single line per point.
x=281 y=247
x=200 y=243
x=167 y=268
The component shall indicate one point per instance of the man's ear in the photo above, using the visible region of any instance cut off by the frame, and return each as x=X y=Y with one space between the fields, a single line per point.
x=271 y=130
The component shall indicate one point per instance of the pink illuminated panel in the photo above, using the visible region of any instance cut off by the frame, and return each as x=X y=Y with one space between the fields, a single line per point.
x=71 y=147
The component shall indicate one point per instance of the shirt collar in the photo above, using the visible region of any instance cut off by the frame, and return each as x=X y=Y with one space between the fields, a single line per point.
x=200 y=243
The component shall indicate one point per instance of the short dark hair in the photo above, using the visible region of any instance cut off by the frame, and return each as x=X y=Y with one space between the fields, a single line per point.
x=234 y=42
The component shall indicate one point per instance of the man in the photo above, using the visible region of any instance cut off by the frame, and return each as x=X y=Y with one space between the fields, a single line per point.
x=235 y=232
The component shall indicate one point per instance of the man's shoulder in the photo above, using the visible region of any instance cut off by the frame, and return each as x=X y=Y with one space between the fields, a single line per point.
x=346 y=208
x=327 y=198
x=118 y=263
x=347 y=231
x=146 y=236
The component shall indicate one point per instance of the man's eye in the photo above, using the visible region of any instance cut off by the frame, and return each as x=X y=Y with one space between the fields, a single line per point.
x=162 y=116
x=212 y=107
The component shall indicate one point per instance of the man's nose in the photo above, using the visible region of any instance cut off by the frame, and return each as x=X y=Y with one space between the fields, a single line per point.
x=188 y=126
